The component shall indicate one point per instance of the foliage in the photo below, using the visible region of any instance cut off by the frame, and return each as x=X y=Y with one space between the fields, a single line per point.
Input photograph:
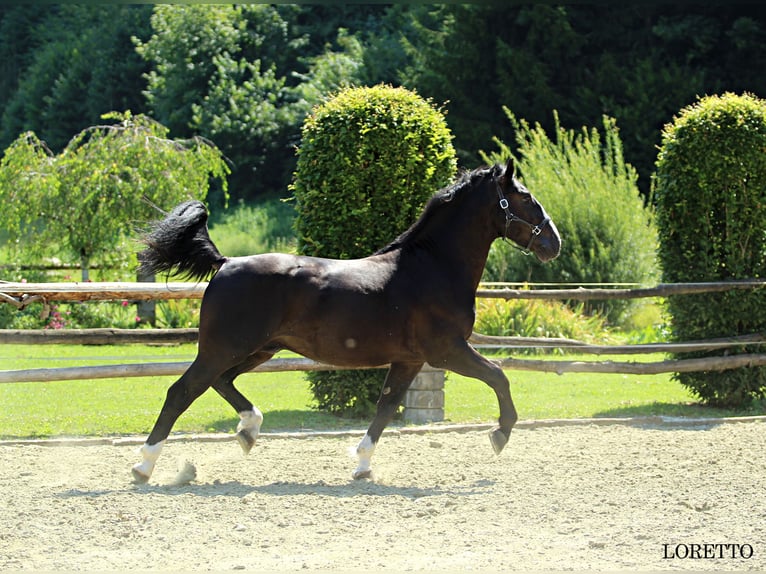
x=63 y=65
x=637 y=63
x=347 y=394
x=66 y=65
x=244 y=77
x=369 y=159
x=87 y=315
x=591 y=194
x=87 y=197
x=534 y=318
x=172 y=314
x=26 y=179
x=178 y=314
x=262 y=227
x=711 y=213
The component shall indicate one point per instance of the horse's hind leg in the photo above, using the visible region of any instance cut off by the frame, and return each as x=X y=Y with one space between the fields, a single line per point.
x=250 y=418
x=398 y=380
x=181 y=394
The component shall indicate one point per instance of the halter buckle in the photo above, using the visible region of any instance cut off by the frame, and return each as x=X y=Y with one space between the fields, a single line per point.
x=504 y=203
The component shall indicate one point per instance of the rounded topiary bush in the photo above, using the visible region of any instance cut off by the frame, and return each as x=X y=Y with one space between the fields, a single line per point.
x=710 y=191
x=368 y=160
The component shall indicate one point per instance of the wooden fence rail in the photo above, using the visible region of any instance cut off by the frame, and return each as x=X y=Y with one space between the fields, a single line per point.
x=299 y=364
x=22 y=294
x=591 y=294
x=145 y=370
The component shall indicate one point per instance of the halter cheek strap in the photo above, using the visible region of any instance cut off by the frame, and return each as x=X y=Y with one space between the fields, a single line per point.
x=510 y=217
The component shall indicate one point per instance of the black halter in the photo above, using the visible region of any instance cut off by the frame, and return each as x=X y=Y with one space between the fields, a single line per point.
x=510 y=217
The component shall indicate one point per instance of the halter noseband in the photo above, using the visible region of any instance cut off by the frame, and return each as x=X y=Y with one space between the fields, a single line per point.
x=510 y=217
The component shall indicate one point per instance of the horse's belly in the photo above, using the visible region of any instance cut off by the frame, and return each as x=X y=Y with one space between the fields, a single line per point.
x=365 y=342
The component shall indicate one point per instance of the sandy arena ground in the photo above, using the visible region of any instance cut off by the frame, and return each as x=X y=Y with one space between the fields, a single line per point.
x=577 y=497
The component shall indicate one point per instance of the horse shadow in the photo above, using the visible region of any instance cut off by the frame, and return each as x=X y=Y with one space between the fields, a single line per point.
x=667 y=416
x=237 y=489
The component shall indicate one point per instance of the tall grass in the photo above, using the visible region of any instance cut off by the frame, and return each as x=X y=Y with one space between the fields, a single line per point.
x=538 y=319
x=608 y=234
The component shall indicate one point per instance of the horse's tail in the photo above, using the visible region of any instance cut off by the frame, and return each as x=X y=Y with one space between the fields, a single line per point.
x=180 y=244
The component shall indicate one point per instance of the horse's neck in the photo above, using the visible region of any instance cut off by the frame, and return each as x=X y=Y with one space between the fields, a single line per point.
x=460 y=245
x=472 y=262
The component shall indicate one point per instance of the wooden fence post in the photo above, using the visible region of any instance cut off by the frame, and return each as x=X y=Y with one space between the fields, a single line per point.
x=147 y=310
x=424 y=401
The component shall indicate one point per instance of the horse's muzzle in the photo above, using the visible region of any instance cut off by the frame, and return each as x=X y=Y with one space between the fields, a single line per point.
x=547 y=245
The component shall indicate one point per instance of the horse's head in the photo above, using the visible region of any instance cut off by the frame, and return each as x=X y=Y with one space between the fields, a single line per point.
x=524 y=219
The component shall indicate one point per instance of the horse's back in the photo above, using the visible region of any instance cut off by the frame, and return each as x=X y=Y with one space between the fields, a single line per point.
x=326 y=309
x=304 y=273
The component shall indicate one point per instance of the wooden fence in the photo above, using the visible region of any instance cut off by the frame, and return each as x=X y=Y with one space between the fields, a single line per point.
x=21 y=295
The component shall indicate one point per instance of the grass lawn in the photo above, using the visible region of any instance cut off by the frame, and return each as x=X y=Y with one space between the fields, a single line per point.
x=130 y=406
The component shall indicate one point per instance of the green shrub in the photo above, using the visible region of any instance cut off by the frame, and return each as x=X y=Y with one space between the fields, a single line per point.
x=86 y=315
x=533 y=318
x=369 y=159
x=28 y=318
x=178 y=313
x=608 y=235
x=710 y=190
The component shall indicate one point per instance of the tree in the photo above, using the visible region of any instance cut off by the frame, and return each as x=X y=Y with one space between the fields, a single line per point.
x=637 y=63
x=242 y=76
x=86 y=199
x=73 y=63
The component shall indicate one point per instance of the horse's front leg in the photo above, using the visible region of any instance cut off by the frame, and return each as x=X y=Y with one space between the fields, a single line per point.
x=465 y=360
x=398 y=380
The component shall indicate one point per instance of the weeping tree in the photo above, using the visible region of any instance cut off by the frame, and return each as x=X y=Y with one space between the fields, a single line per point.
x=85 y=201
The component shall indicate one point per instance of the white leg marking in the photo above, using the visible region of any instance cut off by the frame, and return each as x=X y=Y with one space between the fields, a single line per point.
x=250 y=421
x=248 y=428
x=150 y=452
x=365 y=450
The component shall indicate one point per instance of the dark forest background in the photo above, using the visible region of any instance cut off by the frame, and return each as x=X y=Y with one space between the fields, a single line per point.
x=245 y=76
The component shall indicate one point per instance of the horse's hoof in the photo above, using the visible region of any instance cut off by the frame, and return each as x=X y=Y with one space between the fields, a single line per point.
x=498 y=439
x=360 y=474
x=245 y=440
x=138 y=476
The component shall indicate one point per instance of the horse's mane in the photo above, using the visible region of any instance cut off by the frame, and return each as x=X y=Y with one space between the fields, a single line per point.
x=451 y=194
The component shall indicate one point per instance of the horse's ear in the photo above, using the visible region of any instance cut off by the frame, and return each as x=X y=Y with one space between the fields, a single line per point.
x=510 y=168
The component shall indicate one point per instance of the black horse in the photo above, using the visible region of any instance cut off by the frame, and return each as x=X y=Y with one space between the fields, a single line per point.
x=409 y=304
